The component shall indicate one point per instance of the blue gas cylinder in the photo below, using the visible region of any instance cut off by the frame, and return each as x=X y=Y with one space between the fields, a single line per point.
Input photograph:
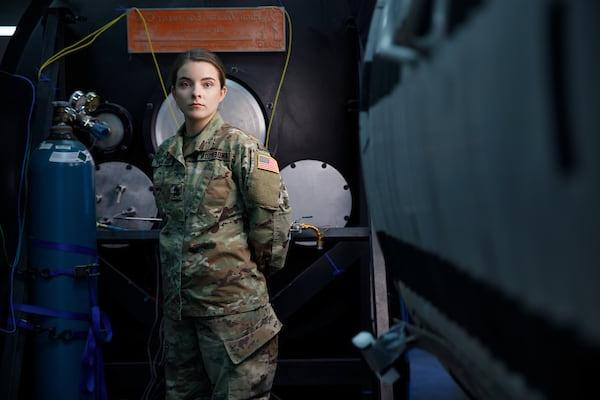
x=62 y=237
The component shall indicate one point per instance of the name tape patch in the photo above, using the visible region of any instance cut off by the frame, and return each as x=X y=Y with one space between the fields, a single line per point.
x=208 y=155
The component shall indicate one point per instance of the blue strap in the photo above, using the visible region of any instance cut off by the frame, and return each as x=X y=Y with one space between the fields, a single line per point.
x=59 y=272
x=100 y=330
x=92 y=379
x=70 y=248
x=49 y=312
x=101 y=326
x=66 y=335
x=23 y=324
x=76 y=272
x=93 y=290
x=334 y=268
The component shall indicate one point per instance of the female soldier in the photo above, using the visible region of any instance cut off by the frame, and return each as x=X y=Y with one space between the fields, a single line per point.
x=227 y=227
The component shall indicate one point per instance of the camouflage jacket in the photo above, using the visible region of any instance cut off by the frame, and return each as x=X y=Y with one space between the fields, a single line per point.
x=226 y=221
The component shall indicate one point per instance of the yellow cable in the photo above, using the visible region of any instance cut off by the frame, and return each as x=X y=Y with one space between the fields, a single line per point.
x=162 y=84
x=287 y=60
x=73 y=50
x=95 y=35
x=75 y=46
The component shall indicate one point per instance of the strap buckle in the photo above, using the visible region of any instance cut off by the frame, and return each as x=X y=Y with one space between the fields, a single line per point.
x=86 y=270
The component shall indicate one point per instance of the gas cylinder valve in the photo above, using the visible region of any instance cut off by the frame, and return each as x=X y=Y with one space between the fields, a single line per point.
x=75 y=112
x=84 y=102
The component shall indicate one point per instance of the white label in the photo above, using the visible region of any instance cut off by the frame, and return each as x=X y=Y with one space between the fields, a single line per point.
x=45 y=146
x=70 y=156
x=63 y=147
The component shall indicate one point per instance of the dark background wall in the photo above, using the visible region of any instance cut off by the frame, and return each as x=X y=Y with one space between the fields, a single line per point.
x=10 y=14
x=316 y=119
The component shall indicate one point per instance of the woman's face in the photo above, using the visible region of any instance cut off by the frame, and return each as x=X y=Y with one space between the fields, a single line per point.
x=198 y=92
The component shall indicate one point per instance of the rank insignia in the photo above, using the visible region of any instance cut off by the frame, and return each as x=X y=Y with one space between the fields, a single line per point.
x=175 y=192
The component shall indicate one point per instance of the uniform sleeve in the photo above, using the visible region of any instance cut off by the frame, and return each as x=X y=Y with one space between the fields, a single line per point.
x=268 y=213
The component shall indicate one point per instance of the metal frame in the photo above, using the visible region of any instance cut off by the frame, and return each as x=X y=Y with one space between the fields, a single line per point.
x=353 y=244
x=315 y=277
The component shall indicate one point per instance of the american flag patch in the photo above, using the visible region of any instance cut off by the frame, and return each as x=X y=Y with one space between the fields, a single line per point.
x=267 y=163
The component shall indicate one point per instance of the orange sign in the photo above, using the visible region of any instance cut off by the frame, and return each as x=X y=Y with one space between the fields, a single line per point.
x=175 y=30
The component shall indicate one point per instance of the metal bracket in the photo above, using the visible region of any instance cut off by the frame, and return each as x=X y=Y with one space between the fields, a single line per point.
x=314 y=278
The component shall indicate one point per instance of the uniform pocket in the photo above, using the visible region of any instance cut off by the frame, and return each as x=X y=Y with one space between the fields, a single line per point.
x=264 y=188
x=220 y=192
x=265 y=327
x=198 y=180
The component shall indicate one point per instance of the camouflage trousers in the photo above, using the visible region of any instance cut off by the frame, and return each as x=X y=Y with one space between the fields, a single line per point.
x=225 y=357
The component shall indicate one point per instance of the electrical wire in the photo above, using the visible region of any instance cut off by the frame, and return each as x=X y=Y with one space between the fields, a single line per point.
x=78 y=45
x=274 y=395
x=153 y=369
x=128 y=279
x=4 y=252
x=159 y=359
x=11 y=309
x=287 y=60
x=20 y=218
x=162 y=84
x=81 y=44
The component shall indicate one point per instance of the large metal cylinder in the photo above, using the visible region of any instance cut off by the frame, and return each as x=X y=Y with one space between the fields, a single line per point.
x=62 y=233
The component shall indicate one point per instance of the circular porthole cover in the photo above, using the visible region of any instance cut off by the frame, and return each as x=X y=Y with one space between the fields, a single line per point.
x=118 y=120
x=319 y=194
x=123 y=190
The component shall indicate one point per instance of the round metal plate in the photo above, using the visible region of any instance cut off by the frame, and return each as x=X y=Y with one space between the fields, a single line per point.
x=319 y=194
x=136 y=199
x=119 y=121
x=117 y=131
x=239 y=108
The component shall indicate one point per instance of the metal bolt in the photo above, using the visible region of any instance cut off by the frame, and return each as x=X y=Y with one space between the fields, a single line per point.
x=120 y=189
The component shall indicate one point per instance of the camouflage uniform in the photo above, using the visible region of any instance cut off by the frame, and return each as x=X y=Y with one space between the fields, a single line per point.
x=227 y=220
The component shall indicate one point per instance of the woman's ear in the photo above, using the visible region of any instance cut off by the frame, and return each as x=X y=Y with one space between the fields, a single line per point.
x=223 y=92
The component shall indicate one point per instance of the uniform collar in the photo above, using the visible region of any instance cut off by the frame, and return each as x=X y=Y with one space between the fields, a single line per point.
x=204 y=140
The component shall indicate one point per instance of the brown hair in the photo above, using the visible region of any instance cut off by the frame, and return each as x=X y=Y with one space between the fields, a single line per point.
x=198 y=55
